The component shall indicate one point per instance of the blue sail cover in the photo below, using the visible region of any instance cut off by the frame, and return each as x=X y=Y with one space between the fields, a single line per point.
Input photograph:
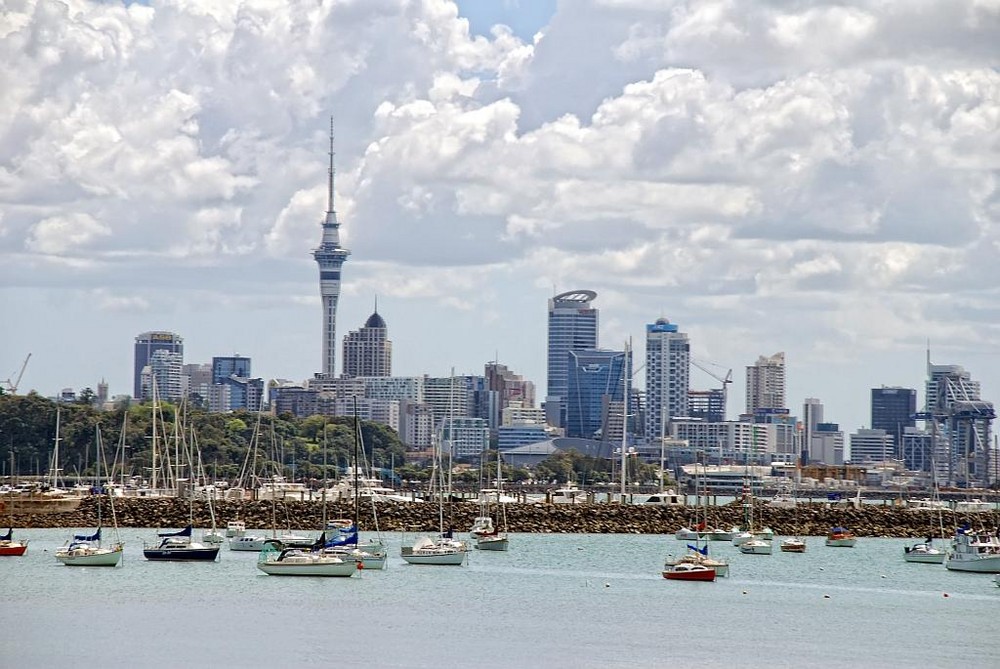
x=186 y=532
x=7 y=537
x=96 y=536
x=703 y=551
x=345 y=536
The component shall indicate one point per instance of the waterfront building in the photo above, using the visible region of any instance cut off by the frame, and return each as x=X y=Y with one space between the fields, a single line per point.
x=416 y=424
x=330 y=257
x=812 y=416
x=766 y=384
x=572 y=326
x=146 y=344
x=871 y=445
x=595 y=382
x=368 y=351
x=668 y=365
x=505 y=389
x=893 y=410
x=707 y=405
x=731 y=441
x=520 y=433
x=826 y=445
x=465 y=437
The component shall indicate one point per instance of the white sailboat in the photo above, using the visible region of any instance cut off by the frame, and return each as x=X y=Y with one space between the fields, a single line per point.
x=925 y=552
x=697 y=554
x=86 y=550
x=442 y=549
x=490 y=537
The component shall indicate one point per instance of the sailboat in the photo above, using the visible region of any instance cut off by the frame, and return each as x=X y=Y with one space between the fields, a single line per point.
x=442 y=549
x=279 y=560
x=697 y=554
x=9 y=547
x=85 y=550
x=757 y=544
x=344 y=544
x=925 y=551
x=796 y=544
x=494 y=538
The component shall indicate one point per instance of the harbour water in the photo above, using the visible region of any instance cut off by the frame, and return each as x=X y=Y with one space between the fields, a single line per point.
x=553 y=600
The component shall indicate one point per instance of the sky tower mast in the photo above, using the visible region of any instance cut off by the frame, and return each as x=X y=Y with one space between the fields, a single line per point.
x=330 y=257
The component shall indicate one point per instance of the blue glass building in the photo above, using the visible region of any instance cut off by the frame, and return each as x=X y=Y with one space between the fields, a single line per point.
x=594 y=381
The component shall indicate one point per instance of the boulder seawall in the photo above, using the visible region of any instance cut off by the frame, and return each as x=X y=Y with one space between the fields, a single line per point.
x=808 y=519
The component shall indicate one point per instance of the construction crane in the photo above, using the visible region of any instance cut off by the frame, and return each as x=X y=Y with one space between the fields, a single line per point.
x=724 y=380
x=12 y=386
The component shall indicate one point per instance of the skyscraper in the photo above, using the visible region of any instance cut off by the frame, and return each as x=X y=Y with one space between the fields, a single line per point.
x=330 y=257
x=668 y=365
x=368 y=351
x=148 y=343
x=594 y=382
x=572 y=327
x=893 y=410
x=766 y=384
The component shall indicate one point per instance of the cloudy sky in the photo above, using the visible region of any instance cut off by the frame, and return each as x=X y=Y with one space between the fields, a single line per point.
x=818 y=178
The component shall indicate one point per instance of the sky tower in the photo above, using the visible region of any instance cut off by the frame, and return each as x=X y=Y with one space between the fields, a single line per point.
x=330 y=256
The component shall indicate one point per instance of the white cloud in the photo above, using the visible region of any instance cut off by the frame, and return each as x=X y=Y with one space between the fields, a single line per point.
x=58 y=235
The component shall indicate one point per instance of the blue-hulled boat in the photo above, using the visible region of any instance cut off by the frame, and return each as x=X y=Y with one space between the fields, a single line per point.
x=178 y=547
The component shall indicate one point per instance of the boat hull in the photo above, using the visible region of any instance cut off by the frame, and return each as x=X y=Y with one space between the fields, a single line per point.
x=336 y=568
x=983 y=565
x=14 y=550
x=925 y=558
x=841 y=543
x=102 y=557
x=207 y=554
x=701 y=575
x=756 y=548
x=247 y=543
x=492 y=543
x=793 y=547
x=455 y=559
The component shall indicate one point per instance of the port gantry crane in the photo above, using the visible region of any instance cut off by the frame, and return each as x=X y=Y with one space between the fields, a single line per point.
x=11 y=387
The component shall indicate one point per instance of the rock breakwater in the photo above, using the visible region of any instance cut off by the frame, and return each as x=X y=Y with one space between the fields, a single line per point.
x=807 y=519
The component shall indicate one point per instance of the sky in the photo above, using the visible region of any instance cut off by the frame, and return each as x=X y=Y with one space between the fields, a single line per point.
x=817 y=178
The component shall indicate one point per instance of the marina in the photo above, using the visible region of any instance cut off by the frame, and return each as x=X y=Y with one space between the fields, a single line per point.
x=811 y=607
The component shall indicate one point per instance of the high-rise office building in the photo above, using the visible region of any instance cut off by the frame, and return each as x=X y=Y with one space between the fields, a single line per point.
x=594 y=384
x=368 y=351
x=965 y=419
x=668 y=365
x=766 y=384
x=330 y=257
x=812 y=416
x=572 y=326
x=146 y=344
x=166 y=370
x=893 y=410
x=244 y=392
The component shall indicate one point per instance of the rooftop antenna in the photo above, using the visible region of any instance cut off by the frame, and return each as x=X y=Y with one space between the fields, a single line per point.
x=376 y=303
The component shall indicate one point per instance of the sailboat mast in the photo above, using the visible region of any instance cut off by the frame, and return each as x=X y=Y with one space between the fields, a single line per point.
x=357 y=463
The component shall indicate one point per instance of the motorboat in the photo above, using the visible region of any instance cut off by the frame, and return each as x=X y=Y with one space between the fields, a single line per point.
x=924 y=552
x=496 y=541
x=974 y=505
x=927 y=504
x=665 y=498
x=793 y=545
x=275 y=561
x=87 y=551
x=782 y=500
x=756 y=547
x=716 y=534
x=441 y=551
x=177 y=546
x=248 y=542
x=979 y=552
x=838 y=537
x=569 y=494
x=689 y=572
x=687 y=534
x=235 y=528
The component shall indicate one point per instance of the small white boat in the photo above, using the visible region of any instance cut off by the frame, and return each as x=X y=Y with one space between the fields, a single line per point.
x=212 y=537
x=716 y=534
x=756 y=547
x=742 y=538
x=248 y=542
x=497 y=541
x=235 y=528
x=974 y=552
x=300 y=562
x=974 y=505
x=924 y=552
x=690 y=572
x=570 y=494
x=442 y=551
x=793 y=545
x=665 y=498
x=838 y=537
x=687 y=534
x=926 y=504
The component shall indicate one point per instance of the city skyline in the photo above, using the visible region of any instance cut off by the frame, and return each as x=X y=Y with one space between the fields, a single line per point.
x=815 y=179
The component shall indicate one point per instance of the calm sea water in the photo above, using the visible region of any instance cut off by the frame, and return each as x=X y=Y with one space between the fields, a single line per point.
x=551 y=601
